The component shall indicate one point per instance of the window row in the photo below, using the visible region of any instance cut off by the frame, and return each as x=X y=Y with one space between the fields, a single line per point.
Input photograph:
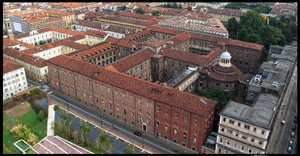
x=245 y=125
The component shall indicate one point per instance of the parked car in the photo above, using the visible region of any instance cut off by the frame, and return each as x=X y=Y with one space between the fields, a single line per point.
x=294 y=128
x=289 y=149
x=282 y=122
x=291 y=143
x=295 y=121
x=293 y=134
x=138 y=133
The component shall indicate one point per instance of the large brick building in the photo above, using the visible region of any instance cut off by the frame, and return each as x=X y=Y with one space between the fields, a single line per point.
x=151 y=107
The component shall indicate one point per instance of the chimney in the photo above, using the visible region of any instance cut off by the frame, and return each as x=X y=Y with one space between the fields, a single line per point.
x=170 y=44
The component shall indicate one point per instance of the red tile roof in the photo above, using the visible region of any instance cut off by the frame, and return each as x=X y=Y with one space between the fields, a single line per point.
x=96 y=51
x=138 y=86
x=163 y=30
x=9 y=65
x=213 y=54
x=154 y=42
x=88 y=24
x=111 y=40
x=97 y=33
x=138 y=36
x=245 y=44
x=127 y=44
x=183 y=56
x=9 y=42
x=25 y=57
x=130 y=61
x=180 y=38
x=225 y=74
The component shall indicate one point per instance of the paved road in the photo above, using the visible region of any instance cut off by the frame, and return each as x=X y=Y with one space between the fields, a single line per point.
x=281 y=136
x=149 y=142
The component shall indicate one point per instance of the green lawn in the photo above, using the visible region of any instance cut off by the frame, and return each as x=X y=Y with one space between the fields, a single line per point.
x=30 y=118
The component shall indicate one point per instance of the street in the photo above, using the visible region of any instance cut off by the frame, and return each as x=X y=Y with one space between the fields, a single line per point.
x=118 y=128
x=281 y=136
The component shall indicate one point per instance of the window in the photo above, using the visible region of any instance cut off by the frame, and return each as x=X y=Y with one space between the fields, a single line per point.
x=123 y=95
x=260 y=142
x=247 y=126
x=221 y=140
x=194 y=139
x=110 y=106
x=220 y=150
x=175 y=131
x=231 y=121
x=176 y=114
x=262 y=132
x=228 y=143
x=243 y=147
x=157 y=125
x=131 y=97
x=254 y=129
x=222 y=129
x=117 y=108
x=166 y=127
x=132 y=114
x=103 y=103
x=250 y=150
x=167 y=111
x=229 y=131
x=148 y=121
x=252 y=140
x=90 y=95
x=196 y=122
x=237 y=134
x=185 y=117
x=140 y=102
x=140 y=118
x=97 y=100
x=184 y=135
x=239 y=124
x=116 y=93
x=124 y=111
x=235 y=145
x=148 y=104
x=224 y=119
x=157 y=108
x=245 y=137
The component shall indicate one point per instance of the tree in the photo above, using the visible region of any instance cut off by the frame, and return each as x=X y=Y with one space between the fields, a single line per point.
x=42 y=115
x=274 y=22
x=242 y=34
x=294 y=29
x=180 y=7
x=232 y=27
x=175 y=5
x=84 y=131
x=251 y=20
x=155 y=13
x=139 y=11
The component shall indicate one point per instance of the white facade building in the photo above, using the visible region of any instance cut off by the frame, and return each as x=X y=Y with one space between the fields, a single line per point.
x=14 y=79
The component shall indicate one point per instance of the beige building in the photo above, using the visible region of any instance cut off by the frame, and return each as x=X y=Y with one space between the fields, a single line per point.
x=246 y=129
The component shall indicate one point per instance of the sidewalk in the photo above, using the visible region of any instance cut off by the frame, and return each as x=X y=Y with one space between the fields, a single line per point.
x=52 y=102
x=50 y=121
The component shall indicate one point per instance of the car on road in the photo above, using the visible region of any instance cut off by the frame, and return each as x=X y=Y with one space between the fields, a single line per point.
x=293 y=134
x=289 y=149
x=138 y=133
x=294 y=128
x=282 y=122
x=291 y=143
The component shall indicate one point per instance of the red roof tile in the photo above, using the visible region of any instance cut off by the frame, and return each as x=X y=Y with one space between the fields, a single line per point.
x=183 y=56
x=180 y=38
x=9 y=65
x=246 y=44
x=132 y=60
x=163 y=30
x=111 y=40
x=25 y=57
x=97 y=33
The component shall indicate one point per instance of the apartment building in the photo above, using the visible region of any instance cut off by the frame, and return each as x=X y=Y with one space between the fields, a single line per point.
x=246 y=129
x=35 y=67
x=14 y=79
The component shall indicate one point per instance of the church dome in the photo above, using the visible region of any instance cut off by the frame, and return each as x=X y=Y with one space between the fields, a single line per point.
x=226 y=54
